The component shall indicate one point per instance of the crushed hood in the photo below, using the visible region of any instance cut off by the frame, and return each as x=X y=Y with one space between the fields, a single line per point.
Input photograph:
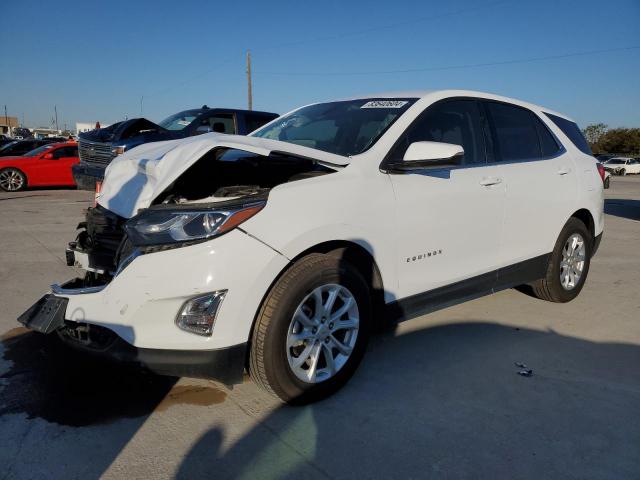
x=133 y=180
x=124 y=130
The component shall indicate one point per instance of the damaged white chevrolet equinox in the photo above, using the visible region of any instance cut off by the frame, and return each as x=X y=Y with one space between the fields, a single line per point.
x=279 y=252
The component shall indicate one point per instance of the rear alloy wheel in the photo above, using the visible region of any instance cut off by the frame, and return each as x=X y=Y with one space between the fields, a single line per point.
x=568 y=264
x=12 y=180
x=312 y=330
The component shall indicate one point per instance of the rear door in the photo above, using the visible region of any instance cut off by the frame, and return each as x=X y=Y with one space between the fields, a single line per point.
x=540 y=181
x=448 y=220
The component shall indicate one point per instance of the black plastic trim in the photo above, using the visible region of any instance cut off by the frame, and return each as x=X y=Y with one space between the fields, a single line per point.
x=224 y=364
x=469 y=289
x=596 y=243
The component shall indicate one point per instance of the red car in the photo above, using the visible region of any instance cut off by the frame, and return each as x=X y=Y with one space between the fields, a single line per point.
x=48 y=165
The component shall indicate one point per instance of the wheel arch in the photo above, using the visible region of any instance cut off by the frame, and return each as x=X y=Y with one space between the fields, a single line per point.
x=351 y=252
x=585 y=216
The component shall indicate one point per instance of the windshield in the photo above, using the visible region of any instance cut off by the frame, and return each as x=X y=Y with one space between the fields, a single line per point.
x=179 y=120
x=344 y=128
x=37 y=151
x=8 y=145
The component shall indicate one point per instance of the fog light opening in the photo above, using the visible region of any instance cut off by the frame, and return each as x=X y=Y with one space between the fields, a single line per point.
x=198 y=314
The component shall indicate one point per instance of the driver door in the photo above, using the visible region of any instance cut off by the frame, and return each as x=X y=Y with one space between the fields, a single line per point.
x=449 y=220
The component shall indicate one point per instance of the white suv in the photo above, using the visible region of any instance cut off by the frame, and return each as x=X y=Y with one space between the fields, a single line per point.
x=279 y=252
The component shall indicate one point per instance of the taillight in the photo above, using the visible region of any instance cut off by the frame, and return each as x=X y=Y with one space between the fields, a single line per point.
x=601 y=171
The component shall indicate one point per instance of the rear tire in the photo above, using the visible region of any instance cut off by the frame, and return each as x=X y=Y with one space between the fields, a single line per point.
x=607 y=182
x=12 y=180
x=295 y=333
x=568 y=264
x=623 y=172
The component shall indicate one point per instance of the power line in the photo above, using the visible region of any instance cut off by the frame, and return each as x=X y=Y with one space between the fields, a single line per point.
x=454 y=67
x=388 y=26
x=332 y=37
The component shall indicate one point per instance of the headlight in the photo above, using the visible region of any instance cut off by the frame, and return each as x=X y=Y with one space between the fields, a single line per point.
x=165 y=226
x=119 y=150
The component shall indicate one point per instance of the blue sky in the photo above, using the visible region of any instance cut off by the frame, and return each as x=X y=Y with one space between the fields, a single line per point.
x=94 y=60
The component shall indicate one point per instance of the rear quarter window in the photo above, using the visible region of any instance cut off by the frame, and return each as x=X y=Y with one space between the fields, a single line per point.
x=571 y=130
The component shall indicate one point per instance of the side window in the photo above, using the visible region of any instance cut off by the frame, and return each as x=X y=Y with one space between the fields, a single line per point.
x=60 y=152
x=515 y=131
x=451 y=121
x=219 y=123
x=254 y=122
x=571 y=130
x=548 y=143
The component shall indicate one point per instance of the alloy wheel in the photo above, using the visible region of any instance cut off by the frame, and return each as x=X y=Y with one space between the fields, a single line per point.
x=11 y=180
x=573 y=261
x=322 y=333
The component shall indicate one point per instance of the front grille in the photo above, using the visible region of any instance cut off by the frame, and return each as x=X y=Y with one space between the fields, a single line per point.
x=102 y=239
x=95 y=152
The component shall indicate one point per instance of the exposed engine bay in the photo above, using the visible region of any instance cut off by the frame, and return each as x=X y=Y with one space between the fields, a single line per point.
x=222 y=178
x=222 y=175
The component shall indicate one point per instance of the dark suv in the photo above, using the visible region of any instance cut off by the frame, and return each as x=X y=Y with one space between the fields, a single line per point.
x=98 y=147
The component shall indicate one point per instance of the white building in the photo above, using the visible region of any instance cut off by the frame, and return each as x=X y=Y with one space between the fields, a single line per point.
x=88 y=126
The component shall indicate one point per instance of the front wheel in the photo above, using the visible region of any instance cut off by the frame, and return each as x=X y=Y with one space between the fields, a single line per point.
x=606 y=182
x=568 y=264
x=311 y=331
x=12 y=180
x=623 y=172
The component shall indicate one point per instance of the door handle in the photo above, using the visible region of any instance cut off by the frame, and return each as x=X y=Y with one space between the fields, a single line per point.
x=488 y=181
x=564 y=170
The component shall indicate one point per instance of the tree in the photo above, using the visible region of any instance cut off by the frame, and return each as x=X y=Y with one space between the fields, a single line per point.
x=593 y=133
x=620 y=140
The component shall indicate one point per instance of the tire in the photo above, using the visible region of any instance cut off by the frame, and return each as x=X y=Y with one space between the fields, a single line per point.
x=12 y=180
x=551 y=287
x=272 y=358
x=607 y=182
x=623 y=172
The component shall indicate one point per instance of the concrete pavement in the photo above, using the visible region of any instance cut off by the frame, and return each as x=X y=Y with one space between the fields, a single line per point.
x=439 y=397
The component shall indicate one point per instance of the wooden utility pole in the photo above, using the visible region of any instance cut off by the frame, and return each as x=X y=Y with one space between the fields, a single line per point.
x=249 y=92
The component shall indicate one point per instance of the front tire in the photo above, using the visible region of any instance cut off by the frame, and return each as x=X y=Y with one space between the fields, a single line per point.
x=311 y=331
x=568 y=264
x=607 y=182
x=12 y=180
x=623 y=172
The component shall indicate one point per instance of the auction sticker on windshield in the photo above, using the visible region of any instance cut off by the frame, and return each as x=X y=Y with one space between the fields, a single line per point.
x=385 y=104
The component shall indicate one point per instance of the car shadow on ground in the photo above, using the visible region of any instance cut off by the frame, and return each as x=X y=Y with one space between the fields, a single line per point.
x=442 y=401
x=622 y=207
x=448 y=402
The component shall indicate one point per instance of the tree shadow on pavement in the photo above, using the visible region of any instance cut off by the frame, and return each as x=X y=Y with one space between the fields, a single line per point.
x=622 y=207
x=448 y=401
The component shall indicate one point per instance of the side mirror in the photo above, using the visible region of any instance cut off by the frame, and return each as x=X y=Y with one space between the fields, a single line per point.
x=48 y=156
x=421 y=155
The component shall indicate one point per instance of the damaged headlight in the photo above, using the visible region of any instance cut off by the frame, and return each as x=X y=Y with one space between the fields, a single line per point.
x=165 y=226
